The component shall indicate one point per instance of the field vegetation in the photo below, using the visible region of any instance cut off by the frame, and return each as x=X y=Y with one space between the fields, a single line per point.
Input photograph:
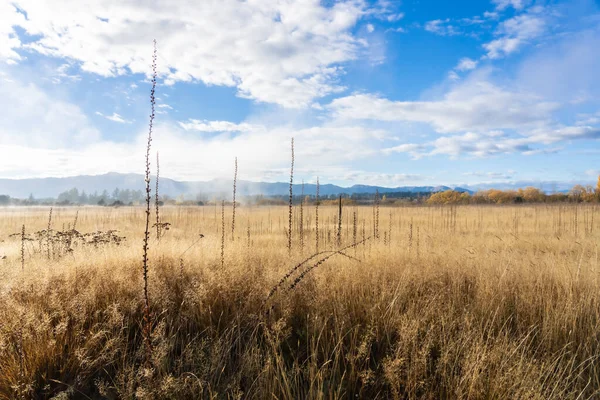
x=432 y=302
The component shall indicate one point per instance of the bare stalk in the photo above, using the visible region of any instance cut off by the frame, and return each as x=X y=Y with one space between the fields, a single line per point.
x=339 y=232
x=317 y=218
x=222 y=233
x=354 y=229
x=290 y=205
x=147 y=328
x=23 y=248
x=48 y=231
x=234 y=190
x=156 y=200
x=377 y=214
x=302 y=219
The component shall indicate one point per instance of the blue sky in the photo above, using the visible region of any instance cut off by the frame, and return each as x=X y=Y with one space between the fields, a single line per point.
x=379 y=92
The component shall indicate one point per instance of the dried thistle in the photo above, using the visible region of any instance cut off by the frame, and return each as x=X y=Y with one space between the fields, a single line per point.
x=248 y=234
x=317 y=218
x=354 y=228
x=339 y=232
x=23 y=248
x=291 y=198
x=302 y=218
x=410 y=235
x=156 y=200
x=389 y=236
x=376 y=213
x=222 y=233
x=48 y=232
x=147 y=325
x=234 y=190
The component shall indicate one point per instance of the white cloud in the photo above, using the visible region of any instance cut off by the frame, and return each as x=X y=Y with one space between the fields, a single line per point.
x=565 y=68
x=491 y=175
x=370 y=28
x=114 y=117
x=466 y=64
x=30 y=117
x=8 y=37
x=288 y=52
x=328 y=151
x=398 y=30
x=453 y=76
x=515 y=33
x=516 y=4
x=481 y=145
x=490 y=15
x=441 y=27
x=395 y=17
x=218 y=126
x=475 y=105
x=62 y=74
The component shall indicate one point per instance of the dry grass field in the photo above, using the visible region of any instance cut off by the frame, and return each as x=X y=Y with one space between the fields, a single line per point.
x=473 y=302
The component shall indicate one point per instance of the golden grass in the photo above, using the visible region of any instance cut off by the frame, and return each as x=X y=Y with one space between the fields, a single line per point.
x=485 y=302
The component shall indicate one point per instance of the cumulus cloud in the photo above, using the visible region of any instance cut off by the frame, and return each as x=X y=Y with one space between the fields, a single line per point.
x=288 y=53
x=516 y=4
x=30 y=117
x=263 y=154
x=218 y=126
x=475 y=105
x=466 y=64
x=515 y=32
x=481 y=145
x=9 y=41
x=441 y=27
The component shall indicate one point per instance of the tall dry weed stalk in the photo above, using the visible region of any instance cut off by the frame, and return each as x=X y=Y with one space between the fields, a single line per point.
x=321 y=261
x=410 y=234
x=235 y=171
x=377 y=214
x=317 y=218
x=302 y=218
x=147 y=326
x=156 y=200
x=418 y=242
x=389 y=236
x=291 y=211
x=222 y=233
x=339 y=231
x=248 y=234
x=48 y=233
x=23 y=248
x=354 y=229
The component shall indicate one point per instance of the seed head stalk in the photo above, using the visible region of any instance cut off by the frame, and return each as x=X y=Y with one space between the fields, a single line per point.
x=317 y=218
x=147 y=323
x=234 y=190
x=291 y=198
x=156 y=200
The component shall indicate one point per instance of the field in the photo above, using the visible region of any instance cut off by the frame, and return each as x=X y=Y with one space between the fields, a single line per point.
x=433 y=302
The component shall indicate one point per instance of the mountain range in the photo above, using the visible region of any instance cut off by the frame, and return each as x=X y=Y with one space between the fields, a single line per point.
x=52 y=187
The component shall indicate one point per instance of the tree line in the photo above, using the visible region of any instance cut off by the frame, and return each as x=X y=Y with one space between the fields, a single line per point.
x=577 y=194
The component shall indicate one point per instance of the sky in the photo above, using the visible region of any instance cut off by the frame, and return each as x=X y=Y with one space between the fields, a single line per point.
x=393 y=93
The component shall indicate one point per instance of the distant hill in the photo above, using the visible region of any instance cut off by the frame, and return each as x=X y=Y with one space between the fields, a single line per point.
x=52 y=187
